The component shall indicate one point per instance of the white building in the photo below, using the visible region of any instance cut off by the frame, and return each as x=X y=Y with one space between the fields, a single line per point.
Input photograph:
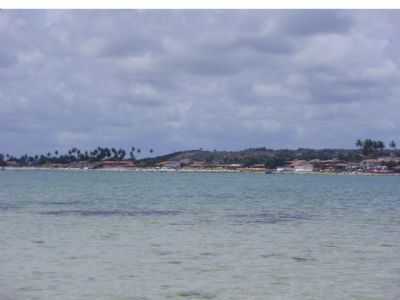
x=304 y=168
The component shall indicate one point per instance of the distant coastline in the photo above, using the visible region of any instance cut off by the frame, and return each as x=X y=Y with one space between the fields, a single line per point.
x=371 y=158
x=188 y=170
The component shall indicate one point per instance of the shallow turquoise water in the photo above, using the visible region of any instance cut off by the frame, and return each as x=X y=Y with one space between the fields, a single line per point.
x=127 y=235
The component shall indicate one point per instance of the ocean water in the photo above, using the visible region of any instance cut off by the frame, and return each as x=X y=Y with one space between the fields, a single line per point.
x=134 y=235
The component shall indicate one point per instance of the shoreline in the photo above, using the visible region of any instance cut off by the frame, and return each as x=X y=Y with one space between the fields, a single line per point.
x=188 y=170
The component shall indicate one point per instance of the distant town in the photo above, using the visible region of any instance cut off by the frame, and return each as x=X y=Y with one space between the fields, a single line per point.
x=370 y=157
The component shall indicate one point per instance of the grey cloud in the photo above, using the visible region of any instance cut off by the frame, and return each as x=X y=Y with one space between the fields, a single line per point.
x=7 y=59
x=269 y=44
x=322 y=21
x=183 y=79
x=131 y=46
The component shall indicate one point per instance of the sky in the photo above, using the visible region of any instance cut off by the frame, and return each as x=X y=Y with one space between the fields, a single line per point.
x=211 y=79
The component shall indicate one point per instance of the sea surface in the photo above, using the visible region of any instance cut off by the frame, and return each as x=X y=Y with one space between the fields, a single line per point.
x=135 y=235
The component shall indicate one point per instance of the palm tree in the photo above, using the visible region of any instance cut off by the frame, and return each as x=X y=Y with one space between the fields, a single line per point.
x=115 y=153
x=392 y=145
x=380 y=145
x=359 y=143
x=121 y=154
x=132 y=155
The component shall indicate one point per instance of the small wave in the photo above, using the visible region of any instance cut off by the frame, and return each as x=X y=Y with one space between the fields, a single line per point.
x=163 y=253
x=112 y=213
x=38 y=242
x=6 y=206
x=208 y=254
x=302 y=259
x=387 y=245
x=270 y=255
x=195 y=295
x=174 y=262
x=270 y=217
x=75 y=202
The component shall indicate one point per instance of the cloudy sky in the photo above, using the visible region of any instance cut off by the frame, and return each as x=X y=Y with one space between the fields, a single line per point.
x=173 y=80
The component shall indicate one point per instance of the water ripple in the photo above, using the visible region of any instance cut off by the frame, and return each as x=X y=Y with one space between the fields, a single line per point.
x=7 y=206
x=270 y=217
x=113 y=212
x=195 y=295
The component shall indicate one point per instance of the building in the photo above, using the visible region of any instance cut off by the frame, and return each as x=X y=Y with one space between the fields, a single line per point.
x=171 y=164
x=117 y=164
x=304 y=168
x=301 y=166
x=284 y=170
x=198 y=165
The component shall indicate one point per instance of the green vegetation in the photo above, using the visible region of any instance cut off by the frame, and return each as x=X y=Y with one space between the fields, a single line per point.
x=270 y=158
x=369 y=146
x=72 y=155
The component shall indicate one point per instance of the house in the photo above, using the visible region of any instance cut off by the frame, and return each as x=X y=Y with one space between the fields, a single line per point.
x=198 y=164
x=117 y=164
x=175 y=164
x=304 y=168
x=368 y=164
x=297 y=162
x=258 y=166
x=171 y=164
x=284 y=170
x=232 y=166
x=331 y=165
x=12 y=163
x=301 y=166
x=374 y=166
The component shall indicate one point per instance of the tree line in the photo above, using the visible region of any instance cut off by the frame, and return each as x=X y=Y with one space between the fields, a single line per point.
x=75 y=155
x=370 y=146
x=367 y=148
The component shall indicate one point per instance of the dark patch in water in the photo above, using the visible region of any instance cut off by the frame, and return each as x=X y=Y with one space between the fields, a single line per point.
x=387 y=245
x=271 y=217
x=208 y=254
x=163 y=253
x=165 y=286
x=76 y=202
x=108 y=236
x=195 y=295
x=5 y=206
x=271 y=255
x=330 y=245
x=73 y=257
x=302 y=259
x=38 y=242
x=174 y=262
x=112 y=213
